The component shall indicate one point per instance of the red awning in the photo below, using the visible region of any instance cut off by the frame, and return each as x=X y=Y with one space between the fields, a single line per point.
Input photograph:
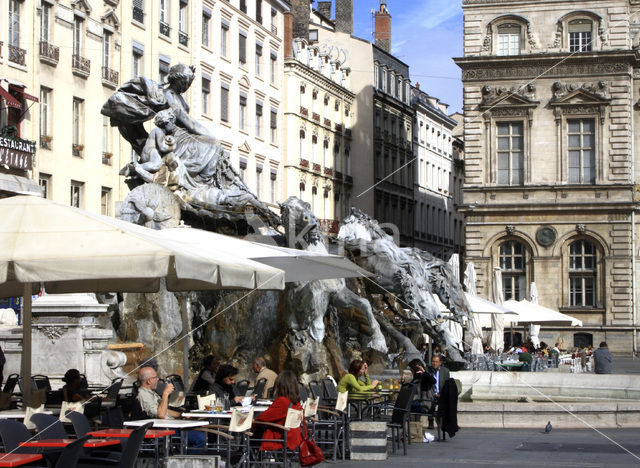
x=20 y=90
x=9 y=99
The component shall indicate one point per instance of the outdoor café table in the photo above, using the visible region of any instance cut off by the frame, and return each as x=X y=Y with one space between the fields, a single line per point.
x=223 y=415
x=154 y=434
x=175 y=424
x=17 y=414
x=91 y=443
x=18 y=459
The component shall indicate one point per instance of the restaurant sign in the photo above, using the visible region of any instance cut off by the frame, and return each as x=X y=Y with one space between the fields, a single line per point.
x=17 y=153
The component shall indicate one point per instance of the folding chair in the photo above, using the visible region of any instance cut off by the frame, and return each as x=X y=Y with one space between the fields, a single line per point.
x=49 y=427
x=207 y=400
x=283 y=456
x=242 y=387
x=232 y=440
x=259 y=388
x=399 y=424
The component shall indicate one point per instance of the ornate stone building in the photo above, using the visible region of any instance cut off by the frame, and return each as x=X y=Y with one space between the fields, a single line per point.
x=550 y=194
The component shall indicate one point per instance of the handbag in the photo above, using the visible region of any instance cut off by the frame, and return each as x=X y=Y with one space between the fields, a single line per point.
x=310 y=454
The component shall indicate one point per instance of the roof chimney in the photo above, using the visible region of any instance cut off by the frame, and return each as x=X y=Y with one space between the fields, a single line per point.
x=382 y=32
x=300 y=12
x=288 y=35
x=344 y=16
x=324 y=8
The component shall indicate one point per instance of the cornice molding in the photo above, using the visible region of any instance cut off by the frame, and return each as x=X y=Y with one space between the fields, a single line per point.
x=531 y=70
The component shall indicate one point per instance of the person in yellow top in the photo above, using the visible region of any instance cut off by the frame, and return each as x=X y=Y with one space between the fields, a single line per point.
x=357 y=381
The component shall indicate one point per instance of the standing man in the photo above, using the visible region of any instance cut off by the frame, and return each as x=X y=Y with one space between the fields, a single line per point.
x=602 y=359
x=260 y=368
x=440 y=374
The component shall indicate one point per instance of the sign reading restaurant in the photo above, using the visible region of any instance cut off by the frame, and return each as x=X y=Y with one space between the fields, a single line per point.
x=17 y=153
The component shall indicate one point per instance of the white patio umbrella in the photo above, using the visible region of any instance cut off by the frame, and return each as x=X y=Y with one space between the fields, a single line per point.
x=496 y=337
x=535 y=313
x=475 y=328
x=534 y=330
x=454 y=327
x=65 y=249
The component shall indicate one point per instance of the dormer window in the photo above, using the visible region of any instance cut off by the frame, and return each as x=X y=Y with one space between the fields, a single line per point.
x=509 y=38
x=580 y=35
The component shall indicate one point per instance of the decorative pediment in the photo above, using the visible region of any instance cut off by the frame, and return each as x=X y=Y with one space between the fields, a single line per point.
x=82 y=5
x=244 y=148
x=503 y=97
x=110 y=18
x=244 y=82
x=588 y=93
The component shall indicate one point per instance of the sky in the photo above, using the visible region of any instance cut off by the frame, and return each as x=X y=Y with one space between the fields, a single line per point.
x=425 y=34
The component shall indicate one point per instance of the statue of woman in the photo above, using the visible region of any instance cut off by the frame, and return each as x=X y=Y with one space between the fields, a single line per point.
x=203 y=175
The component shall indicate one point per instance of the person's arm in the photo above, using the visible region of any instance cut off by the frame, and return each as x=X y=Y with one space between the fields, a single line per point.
x=275 y=412
x=352 y=383
x=163 y=407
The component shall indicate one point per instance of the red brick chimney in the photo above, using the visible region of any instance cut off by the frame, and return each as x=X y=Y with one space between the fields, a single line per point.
x=288 y=35
x=382 y=32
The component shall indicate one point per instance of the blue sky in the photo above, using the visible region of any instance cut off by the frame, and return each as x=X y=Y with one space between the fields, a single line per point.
x=425 y=34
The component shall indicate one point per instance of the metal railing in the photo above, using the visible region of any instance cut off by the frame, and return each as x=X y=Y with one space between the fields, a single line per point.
x=138 y=14
x=49 y=52
x=17 y=55
x=183 y=38
x=110 y=76
x=165 y=29
x=81 y=64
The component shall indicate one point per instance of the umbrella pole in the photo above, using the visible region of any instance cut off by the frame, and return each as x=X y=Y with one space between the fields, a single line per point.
x=185 y=340
x=26 y=345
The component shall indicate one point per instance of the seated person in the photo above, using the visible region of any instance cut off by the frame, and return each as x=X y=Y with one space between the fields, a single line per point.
x=425 y=382
x=207 y=376
x=357 y=381
x=154 y=406
x=73 y=391
x=286 y=394
x=260 y=368
x=225 y=383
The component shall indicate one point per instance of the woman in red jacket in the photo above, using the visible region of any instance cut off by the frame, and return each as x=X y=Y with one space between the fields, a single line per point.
x=286 y=395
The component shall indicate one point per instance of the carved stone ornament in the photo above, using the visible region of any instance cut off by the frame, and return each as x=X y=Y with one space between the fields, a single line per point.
x=486 y=43
x=530 y=38
x=599 y=90
x=546 y=236
x=528 y=72
x=53 y=333
x=510 y=228
x=581 y=228
x=558 y=39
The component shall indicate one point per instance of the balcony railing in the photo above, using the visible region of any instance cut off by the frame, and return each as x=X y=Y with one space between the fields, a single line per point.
x=110 y=77
x=17 y=55
x=338 y=127
x=274 y=29
x=329 y=226
x=138 y=14
x=80 y=66
x=316 y=117
x=304 y=111
x=46 y=142
x=106 y=158
x=183 y=38
x=76 y=149
x=316 y=167
x=304 y=163
x=49 y=53
x=328 y=171
x=327 y=123
x=165 y=29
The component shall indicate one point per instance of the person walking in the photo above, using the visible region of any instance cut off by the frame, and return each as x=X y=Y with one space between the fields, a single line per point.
x=602 y=359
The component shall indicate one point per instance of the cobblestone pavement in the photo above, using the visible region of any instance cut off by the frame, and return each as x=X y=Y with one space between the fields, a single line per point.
x=519 y=448
x=625 y=365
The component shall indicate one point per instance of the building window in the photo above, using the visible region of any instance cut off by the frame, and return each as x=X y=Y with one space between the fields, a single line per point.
x=243 y=6
x=512 y=263
x=165 y=30
x=243 y=170
x=509 y=39
x=582 y=274
x=242 y=47
x=76 y=194
x=582 y=154
x=106 y=49
x=274 y=125
x=384 y=79
x=224 y=36
x=45 y=22
x=314 y=148
x=259 y=11
x=105 y=201
x=77 y=35
x=106 y=139
x=45 y=184
x=313 y=35
x=258 y=119
x=163 y=69
x=224 y=102
x=510 y=153
x=274 y=185
x=77 y=119
x=136 y=66
x=273 y=69
x=183 y=23
x=258 y=58
x=258 y=181
x=580 y=36
x=302 y=144
x=206 y=94
x=14 y=23
x=138 y=11
x=206 y=27
x=242 y=113
x=347 y=160
x=45 y=117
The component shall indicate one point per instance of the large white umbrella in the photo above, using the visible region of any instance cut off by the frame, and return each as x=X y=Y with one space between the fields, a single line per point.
x=65 y=249
x=475 y=328
x=496 y=337
x=528 y=312
x=454 y=327
x=534 y=330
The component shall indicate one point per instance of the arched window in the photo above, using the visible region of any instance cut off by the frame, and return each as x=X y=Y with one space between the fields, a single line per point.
x=314 y=148
x=509 y=38
x=580 y=35
x=302 y=143
x=582 y=273
x=513 y=265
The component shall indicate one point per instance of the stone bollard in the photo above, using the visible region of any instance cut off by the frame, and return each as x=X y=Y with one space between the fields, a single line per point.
x=193 y=461
x=368 y=440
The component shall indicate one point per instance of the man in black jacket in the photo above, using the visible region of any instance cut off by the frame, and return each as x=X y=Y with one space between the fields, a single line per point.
x=441 y=375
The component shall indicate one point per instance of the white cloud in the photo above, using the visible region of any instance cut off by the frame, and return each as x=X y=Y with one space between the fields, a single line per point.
x=396 y=47
x=428 y=14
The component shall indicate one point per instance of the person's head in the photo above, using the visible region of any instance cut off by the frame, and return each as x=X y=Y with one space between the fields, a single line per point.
x=72 y=378
x=180 y=77
x=165 y=118
x=556 y=345
x=287 y=386
x=226 y=374
x=416 y=366
x=210 y=363
x=357 y=367
x=148 y=378
x=258 y=364
x=436 y=361
x=603 y=344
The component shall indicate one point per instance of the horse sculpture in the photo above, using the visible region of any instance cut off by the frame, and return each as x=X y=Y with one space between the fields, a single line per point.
x=308 y=302
x=411 y=274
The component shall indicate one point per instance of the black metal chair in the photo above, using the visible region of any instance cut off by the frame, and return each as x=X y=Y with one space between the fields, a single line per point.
x=129 y=453
x=282 y=457
x=71 y=454
x=12 y=433
x=304 y=394
x=113 y=391
x=49 y=427
x=41 y=382
x=399 y=424
x=177 y=382
x=11 y=383
x=82 y=428
x=259 y=388
x=242 y=387
x=113 y=418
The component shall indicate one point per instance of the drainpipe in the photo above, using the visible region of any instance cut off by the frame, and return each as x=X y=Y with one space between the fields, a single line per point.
x=633 y=231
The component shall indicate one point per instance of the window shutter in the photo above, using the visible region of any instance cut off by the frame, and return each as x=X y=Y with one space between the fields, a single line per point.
x=206 y=84
x=242 y=44
x=274 y=118
x=224 y=102
x=258 y=108
x=258 y=49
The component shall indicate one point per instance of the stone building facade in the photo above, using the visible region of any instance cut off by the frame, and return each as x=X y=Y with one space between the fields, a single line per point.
x=550 y=128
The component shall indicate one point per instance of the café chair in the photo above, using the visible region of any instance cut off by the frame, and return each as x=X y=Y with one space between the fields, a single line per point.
x=81 y=427
x=49 y=427
x=242 y=387
x=233 y=440
x=129 y=455
x=71 y=453
x=207 y=400
x=259 y=388
x=279 y=457
x=399 y=424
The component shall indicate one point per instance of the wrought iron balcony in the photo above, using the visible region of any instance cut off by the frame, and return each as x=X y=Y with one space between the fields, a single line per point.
x=338 y=175
x=327 y=123
x=183 y=38
x=316 y=117
x=328 y=171
x=49 y=53
x=165 y=29
x=316 y=167
x=138 y=14
x=17 y=55
x=338 y=127
x=106 y=158
x=304 y=163
x=274 y=29
x=1 y=44
x=76 y=149
x=46 y=141
x=304 y=111
x=80 y=66
x=110 y=77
